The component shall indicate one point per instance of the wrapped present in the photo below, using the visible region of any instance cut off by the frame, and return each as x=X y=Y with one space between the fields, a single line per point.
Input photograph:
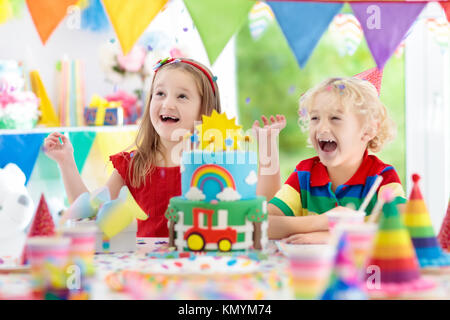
x=102 y=112
x=130 y=103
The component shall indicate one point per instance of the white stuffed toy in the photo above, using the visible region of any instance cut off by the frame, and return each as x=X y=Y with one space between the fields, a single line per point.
x=16 y=209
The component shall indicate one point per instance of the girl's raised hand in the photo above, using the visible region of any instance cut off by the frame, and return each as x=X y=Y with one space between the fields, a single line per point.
x=56 y=150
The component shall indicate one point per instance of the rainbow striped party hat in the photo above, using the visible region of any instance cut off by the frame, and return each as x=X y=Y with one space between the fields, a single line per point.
x=444 y=234
x=344 y=283
x=392 y=269
x=418 y=222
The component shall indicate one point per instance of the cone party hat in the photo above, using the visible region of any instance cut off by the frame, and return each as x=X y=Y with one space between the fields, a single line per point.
x=418 y=222
x=344 y=283
x=393 y=262
x=444 y=234
x=42 y=225
x=373 y=75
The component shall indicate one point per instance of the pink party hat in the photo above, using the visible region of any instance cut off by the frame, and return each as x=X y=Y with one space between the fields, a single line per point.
x=42 y=225
x=444 y=233
x=373 y=75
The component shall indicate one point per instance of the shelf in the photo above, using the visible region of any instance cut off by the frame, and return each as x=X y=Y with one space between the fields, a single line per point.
x=132 y=127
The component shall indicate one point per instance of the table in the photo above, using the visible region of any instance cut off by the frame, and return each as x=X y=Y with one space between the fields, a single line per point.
x=271 y=281
x=272 y=275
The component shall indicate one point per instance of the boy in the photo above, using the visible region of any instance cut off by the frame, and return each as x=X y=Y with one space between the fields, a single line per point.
x=346 y=119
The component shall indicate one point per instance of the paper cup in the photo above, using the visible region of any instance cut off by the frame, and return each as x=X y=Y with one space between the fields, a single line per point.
x=360 y=240
x=81 y=258
x=310 y=268
x=48 y=257
x=344 y=216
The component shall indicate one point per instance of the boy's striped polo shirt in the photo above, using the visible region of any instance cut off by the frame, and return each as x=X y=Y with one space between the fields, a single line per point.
x=308 y=191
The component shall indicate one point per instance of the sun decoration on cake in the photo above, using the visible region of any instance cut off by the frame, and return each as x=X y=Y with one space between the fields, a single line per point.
x=218 y=133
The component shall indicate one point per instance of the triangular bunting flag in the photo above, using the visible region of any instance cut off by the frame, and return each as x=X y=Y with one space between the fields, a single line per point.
x=303 y=24
x=6 y=11
x=47 y=14
x=41 y=225
x=344 y=283
x=444 y=234
x=130 y=18
x=217 y=21
x=21 y=149
x=373 y=75
x=82 y=142
x=385 y=25
x=417 y=220
x=48 y=116
x=395 y=269
x=446 y=7
x=93 y=17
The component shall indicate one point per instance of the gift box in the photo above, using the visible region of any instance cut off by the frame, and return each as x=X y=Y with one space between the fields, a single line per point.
x=131 y=105
x=113 y=116
x=102 y=112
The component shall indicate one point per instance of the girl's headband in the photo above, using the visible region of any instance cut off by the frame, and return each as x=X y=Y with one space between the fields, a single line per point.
x=165 y=61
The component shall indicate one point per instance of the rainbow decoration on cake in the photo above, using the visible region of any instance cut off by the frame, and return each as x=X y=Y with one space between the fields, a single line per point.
x=210 y=180
x=392 y=270
x=444 y=233
x=344 y=283
x=218 y=208
x=418 y=222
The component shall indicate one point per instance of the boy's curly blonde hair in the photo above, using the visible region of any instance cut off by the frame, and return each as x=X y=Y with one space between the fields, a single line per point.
x=358 y=95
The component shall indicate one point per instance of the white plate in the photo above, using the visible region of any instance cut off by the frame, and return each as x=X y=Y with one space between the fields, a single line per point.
x=292 y=249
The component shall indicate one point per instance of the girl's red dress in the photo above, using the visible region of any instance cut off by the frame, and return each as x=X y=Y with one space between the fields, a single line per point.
x=153 y=198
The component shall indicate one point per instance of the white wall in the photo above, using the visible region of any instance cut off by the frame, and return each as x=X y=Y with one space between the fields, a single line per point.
x=19 y=40
x=427 y=69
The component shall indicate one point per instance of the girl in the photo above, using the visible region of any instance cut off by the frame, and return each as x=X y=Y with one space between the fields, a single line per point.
x=346 y=119
x=182 y=91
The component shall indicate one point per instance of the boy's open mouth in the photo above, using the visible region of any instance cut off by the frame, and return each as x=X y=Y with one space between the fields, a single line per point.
x=169 y=119
x=327 y=145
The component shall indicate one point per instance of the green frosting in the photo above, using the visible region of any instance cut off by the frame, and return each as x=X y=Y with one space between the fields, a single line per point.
x=238 y=211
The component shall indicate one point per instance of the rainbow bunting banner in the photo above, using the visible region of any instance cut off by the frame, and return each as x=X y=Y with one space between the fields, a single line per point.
x=217 y=22
x=379 y=20
x=122 y=12
x=47 y=14
x=303 y=24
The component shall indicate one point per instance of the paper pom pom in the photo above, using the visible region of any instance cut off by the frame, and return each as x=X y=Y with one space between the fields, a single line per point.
x=415 y=178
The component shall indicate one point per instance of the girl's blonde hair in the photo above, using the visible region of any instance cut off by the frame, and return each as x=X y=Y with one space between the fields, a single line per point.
x=147 y=141
x=357 y=95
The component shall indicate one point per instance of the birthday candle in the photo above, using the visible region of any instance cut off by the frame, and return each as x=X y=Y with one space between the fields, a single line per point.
x=67 y=101
x=82 y=92
x=72 y=90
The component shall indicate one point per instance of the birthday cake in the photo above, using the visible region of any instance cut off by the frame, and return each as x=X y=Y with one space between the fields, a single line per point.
x=218 y=208
x=18 y=107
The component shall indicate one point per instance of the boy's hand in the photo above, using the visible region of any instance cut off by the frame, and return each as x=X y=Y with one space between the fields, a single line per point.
x=320 y=237
x=275 y=125
x=56 y=150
